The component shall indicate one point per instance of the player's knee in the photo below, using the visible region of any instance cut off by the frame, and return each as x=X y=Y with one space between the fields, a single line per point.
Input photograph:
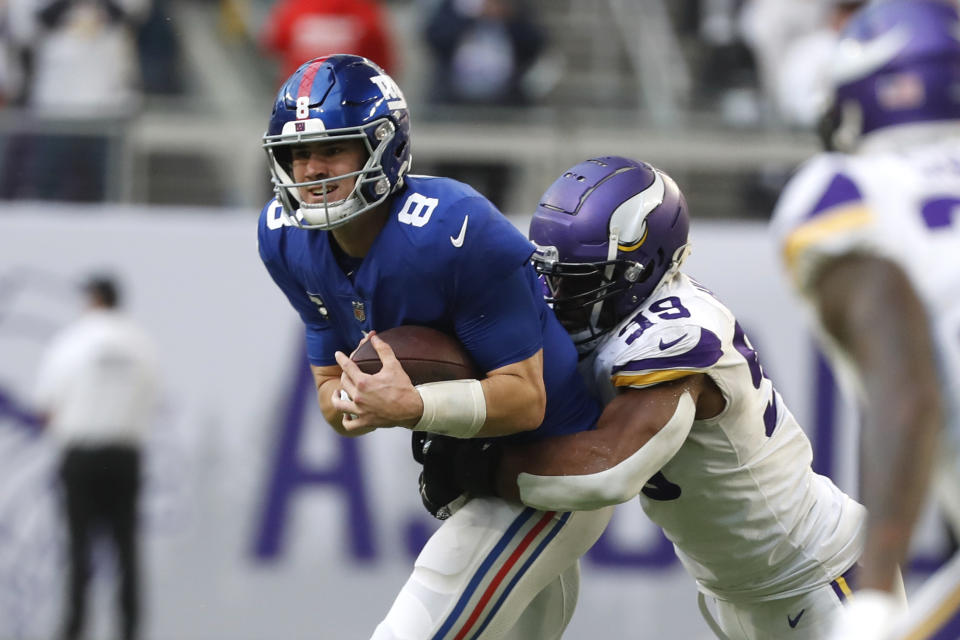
x=410 y=618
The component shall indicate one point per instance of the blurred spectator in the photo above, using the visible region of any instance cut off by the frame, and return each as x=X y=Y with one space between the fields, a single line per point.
x=300 y=30
x=792 y=41
x=80 y=65
x=727 y=74
x=159 y=52
x=482 y=51
x=10 y=76
x=83 y=60
x=801 y=84
x=96 y=389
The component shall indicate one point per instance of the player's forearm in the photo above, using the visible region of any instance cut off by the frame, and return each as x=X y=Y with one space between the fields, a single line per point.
x=611 y=464
x=575 y=454
x=514 y=404
x=515 y=396
x=871 y=309
x=897 y=452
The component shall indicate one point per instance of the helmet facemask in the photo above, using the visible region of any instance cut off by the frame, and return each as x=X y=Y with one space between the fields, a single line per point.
x=371 y=186
x=583 y=294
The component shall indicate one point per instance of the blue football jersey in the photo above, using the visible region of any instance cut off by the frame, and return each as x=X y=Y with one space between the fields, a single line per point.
x=446 y=258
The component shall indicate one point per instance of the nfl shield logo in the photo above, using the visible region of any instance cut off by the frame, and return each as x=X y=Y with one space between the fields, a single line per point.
x=301 y=126
x=358 y=311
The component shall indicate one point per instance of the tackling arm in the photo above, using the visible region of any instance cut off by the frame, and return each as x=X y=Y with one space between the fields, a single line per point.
x=639 y=431
x=869 y=307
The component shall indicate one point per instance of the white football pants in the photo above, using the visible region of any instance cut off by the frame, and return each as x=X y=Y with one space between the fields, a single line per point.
x=808 y=616
x=495 y=570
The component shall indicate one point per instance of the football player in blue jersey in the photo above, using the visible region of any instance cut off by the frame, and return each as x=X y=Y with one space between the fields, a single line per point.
x=358 y=244
x=692 y=425
x=869 y=233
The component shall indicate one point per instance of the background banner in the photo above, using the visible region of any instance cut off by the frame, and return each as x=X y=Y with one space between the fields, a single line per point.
x=258 y=521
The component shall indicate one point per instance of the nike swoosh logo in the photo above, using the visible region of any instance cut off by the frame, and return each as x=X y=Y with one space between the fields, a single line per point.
x=793 y=621
x=666 y=345
x=458 y=241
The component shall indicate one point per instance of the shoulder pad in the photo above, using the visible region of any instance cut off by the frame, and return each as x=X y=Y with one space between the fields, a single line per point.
x=821 y=213
x=666 y=352
x=821 y=184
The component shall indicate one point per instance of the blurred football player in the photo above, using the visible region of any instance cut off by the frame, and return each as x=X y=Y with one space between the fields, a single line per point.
x=691 y=422
x=358 y=245
x=870 y=235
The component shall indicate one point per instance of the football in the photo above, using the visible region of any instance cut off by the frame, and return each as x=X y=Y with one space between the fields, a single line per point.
x=426 y=355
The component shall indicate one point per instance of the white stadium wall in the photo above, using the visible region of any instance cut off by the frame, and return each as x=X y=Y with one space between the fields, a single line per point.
x=258 y=521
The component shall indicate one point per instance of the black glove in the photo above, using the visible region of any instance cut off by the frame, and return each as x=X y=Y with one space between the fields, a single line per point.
x=439 y=491
x=475 y=466
x=454 y=470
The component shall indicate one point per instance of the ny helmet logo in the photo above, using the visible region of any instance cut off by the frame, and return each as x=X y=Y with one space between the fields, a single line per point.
x=390 y=91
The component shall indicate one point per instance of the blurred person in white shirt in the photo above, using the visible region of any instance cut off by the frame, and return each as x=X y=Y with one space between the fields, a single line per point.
x=793 y=43
x=96 y=390
x=80 y=65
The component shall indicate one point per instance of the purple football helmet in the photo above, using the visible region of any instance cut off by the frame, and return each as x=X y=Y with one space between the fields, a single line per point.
x=897 y=62
x=348 y=97
x=606 y=233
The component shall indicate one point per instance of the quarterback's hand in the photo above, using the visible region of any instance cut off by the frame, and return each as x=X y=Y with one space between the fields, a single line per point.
x=384 y=399
x=868 y=615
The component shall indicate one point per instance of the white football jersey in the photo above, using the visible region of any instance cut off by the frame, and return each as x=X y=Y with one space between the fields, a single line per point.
x=904 y=205
x=748 y=517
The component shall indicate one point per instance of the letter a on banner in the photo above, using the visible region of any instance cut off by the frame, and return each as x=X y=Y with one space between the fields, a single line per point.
x=288 y=475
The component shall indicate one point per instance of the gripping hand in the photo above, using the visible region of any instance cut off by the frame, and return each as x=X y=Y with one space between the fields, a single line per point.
x=454 y=470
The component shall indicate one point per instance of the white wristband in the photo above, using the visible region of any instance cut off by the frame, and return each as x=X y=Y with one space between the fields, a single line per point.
x=455 y=408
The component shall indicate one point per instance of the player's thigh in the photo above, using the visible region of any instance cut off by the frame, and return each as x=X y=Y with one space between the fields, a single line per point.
x=496 y=557
x=804 y=617
x=484 y=566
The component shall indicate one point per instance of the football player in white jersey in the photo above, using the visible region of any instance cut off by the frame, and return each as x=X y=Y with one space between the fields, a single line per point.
x=691 y=423
x=870 y=236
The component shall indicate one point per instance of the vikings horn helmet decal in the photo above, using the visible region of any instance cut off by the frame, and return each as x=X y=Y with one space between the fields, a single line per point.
x=607 y=231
